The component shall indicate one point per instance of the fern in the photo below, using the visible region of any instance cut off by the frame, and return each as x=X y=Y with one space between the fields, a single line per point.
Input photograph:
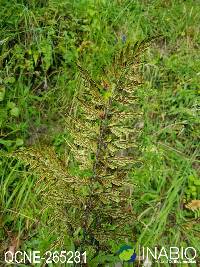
x=103 y=147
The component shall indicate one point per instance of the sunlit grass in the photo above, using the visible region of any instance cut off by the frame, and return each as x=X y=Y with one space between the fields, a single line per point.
x=39 y=45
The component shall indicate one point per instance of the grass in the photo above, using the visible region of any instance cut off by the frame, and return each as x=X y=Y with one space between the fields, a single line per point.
x=40 y=42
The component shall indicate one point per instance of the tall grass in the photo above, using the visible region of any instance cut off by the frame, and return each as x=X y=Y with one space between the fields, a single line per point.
x=40 y=42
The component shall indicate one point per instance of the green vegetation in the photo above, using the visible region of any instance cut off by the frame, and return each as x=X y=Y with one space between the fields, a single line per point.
x=41 y=43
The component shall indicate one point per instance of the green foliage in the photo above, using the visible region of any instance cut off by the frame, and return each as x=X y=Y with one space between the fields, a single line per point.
x=17 y=203
x=94 y=208
x=39 y=43
x=193 y=191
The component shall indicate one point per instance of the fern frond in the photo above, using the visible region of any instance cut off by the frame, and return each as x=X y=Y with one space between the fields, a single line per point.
x=116 y=142
x=103 y=147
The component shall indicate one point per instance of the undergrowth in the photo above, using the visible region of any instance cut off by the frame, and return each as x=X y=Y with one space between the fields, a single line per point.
x=40 y=44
